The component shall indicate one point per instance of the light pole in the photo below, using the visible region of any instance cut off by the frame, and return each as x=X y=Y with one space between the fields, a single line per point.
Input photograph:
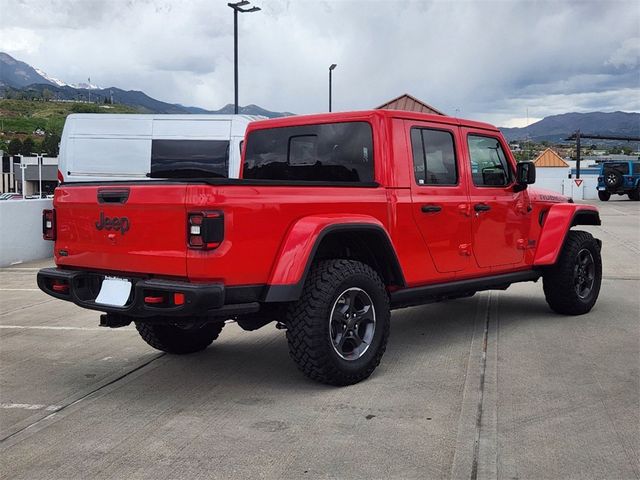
x=237 y=7
x=331 y=68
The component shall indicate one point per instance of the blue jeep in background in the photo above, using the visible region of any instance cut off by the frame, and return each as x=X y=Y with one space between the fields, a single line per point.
x=622 y=178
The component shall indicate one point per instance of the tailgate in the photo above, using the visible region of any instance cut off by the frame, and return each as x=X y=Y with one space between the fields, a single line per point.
x=123 y=228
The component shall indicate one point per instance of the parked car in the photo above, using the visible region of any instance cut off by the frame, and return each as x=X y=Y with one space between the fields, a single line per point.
x=338 y=219
x=101 y=147
x=621 y=178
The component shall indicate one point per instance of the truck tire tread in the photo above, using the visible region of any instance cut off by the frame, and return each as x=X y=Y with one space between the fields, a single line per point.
x=308 y=340
x=558 y=280
x=173 y=339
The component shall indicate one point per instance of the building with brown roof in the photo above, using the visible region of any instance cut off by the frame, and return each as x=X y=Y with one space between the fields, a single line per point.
x=409 y=103
x=550 y=159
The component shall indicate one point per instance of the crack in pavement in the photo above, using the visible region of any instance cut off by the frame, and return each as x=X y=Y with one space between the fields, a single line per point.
x=483 y=369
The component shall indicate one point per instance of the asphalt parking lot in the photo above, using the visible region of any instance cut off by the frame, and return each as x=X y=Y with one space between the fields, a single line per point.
x=494 y=386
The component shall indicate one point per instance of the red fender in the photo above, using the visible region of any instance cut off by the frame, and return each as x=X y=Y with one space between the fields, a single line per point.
x=300 y=242
x=559 y=219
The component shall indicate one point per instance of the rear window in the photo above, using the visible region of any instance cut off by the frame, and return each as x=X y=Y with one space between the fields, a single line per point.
x=189 y=158
x=332 y=152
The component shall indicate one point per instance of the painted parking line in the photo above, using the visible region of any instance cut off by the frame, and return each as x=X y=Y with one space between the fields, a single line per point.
x=48 y=327
x=30 y=406
x=19 y=289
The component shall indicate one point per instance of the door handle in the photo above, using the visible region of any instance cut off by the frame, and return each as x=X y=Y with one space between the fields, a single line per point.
x=431 y=208
x=481 y=207
x=112 y=195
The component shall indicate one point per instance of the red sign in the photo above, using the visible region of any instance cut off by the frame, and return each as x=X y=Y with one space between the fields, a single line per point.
x=578 y=181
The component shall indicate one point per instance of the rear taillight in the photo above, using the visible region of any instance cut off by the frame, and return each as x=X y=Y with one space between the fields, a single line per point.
x=49 y=224
x=205 y=230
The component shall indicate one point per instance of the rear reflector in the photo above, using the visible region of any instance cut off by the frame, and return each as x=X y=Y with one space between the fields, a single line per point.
x=153 y=300
x=178 y=298
x=60 y=287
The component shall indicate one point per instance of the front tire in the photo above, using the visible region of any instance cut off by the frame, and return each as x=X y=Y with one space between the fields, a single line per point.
x=635 y=194
x=604 y=196
x=338 y=330
x=179 y=339
x=572 y=285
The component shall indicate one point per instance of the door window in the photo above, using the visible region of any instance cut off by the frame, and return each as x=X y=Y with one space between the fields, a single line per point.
x=434 y=159
x=489 y=166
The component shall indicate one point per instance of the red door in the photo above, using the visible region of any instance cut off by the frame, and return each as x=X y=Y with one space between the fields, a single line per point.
x=439 y=194
x=500 y=223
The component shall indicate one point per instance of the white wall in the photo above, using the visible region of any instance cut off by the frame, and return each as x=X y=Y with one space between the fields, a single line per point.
x=552 y=178
x=21 y=231
x=557 y=180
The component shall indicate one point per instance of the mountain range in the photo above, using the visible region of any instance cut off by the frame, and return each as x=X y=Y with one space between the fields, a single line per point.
x=17 y=76
x=558 y=127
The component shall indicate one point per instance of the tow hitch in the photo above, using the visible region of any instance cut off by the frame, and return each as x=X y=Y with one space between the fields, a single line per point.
x=113 y=320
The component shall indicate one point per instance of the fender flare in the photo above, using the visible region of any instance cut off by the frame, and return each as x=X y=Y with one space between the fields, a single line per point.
x=558 y=221
x=299 y=248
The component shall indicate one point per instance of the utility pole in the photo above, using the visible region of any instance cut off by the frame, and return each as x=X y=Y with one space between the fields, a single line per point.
x=237 y=7
x=577 y=153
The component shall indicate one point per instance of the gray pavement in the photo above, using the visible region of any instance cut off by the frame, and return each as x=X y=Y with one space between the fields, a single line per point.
x=494 y=386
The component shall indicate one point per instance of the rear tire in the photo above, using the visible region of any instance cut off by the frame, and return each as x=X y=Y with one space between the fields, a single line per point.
x=338 y=329
x=572 y=285
x=179 y=339
x=604 y=196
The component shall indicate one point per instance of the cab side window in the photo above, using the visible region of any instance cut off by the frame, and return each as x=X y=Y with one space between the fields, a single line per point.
x=434 y=158
x=489 y=165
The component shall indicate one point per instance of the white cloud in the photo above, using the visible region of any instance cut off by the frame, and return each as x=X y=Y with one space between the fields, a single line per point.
x=489 y=60
x=19 y=40
x=628 y=55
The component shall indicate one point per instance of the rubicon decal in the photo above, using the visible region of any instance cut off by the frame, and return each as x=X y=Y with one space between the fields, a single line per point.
x=113 y=223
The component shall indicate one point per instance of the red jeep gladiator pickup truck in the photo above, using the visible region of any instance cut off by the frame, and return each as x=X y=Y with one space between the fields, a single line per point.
x=337 y=219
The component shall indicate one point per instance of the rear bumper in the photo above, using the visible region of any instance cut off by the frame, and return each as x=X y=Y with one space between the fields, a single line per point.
x=199 y=299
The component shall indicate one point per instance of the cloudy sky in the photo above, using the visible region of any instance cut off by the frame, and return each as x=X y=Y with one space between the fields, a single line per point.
x=488 y=60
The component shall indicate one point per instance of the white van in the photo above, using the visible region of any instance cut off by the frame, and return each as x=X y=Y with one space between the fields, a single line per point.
x=110 y=147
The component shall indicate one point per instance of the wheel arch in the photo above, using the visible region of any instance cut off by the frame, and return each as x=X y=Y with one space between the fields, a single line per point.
x=558 y=221
x=359 y=238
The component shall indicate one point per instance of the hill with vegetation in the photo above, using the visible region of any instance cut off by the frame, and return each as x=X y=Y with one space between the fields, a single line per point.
x=39 y=123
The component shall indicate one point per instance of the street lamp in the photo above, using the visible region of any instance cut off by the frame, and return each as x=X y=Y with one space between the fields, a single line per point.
x=237 y=7
x=331 y=67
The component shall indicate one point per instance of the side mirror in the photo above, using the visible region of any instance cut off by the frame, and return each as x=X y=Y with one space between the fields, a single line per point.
x=525 y=175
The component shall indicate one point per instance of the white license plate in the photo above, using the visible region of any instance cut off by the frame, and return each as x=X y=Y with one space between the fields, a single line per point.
x=114 y=292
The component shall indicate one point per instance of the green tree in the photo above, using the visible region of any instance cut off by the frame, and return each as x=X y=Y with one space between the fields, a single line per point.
x=50 y=144
x=28 y=146
x=627 y=150
x=4 y=146
x=15 y=146
x=47 y=95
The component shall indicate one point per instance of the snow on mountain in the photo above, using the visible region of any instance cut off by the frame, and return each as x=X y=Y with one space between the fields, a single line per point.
x=44 y=75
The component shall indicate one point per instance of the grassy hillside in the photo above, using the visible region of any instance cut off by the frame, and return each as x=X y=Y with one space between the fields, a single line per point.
x=20 y=118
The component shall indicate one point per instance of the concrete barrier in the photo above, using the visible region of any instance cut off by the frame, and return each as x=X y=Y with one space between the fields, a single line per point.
x=21 y=231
